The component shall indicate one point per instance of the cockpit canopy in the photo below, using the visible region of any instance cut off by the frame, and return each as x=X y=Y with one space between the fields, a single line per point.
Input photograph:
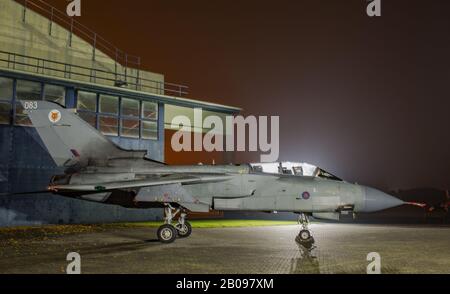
x=293 y=168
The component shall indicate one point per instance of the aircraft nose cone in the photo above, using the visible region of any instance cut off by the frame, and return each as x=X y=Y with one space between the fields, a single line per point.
x=376 y=200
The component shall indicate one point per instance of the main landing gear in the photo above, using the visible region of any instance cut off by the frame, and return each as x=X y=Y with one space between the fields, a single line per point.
x=304 y=237
x=167 y=233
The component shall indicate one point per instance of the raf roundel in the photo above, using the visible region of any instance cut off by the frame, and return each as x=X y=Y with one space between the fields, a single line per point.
x=306 y=195
x=54 y=116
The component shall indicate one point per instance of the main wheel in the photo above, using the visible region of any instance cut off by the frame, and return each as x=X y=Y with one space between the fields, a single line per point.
x=184 y=230
x=167 y=234
x=304 y=235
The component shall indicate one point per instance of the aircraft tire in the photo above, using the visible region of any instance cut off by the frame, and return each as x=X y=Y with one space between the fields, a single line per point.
x=304 y=235
x=167 y=234
x=307 y=244
x=184 y=232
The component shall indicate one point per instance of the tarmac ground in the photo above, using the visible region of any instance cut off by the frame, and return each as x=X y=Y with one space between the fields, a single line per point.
x=341 y=248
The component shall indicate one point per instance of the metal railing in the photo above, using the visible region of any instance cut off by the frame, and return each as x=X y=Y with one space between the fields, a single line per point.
x=70 y=71
x=98 y=43
x=76 y=28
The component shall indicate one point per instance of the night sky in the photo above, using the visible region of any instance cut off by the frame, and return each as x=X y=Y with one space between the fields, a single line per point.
x=365 y=98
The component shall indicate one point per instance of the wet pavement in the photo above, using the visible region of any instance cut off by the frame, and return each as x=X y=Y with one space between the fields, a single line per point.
x=341 y=248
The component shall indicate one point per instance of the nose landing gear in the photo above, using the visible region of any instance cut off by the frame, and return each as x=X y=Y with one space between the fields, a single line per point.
x=167 y=233
x=304 y=237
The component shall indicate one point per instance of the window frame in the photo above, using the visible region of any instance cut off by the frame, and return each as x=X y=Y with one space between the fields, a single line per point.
x=143 y=120
x=122 y=98
x=44 y=94
x=16 y=92
x=100 y=116
x=141 y=125
x=139 y=118
x=143 y=110
x=121 y=127
x=99 y=103
x=84 y=109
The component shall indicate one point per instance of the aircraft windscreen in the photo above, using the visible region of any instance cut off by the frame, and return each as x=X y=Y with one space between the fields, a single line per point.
x=293 y=168
x=326 y=175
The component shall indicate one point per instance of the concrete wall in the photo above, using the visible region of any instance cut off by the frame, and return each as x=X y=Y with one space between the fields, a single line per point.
x=32 y=38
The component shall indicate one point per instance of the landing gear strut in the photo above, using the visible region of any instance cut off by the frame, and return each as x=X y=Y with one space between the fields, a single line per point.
x=304 y=237
x=183 y=227
x=167 y=233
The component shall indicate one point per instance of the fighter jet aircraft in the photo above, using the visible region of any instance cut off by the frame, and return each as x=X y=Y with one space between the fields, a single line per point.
x=98 y=170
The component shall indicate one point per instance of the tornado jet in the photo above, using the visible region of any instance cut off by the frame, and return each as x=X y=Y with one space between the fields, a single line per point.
x=98 y=170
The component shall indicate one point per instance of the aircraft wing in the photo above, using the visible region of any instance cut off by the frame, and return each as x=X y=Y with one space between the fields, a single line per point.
x=182 y=179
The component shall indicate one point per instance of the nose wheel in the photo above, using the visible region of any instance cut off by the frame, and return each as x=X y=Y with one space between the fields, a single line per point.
x=304 y=237
x=167 y=233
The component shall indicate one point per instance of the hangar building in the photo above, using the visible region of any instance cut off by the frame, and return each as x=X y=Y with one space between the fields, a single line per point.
x=44 y=54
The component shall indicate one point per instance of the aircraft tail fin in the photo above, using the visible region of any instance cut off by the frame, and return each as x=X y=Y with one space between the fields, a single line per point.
x=69 y=139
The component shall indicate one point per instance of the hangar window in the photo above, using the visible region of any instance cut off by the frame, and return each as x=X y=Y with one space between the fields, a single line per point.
x=109 y=109
x=5 y=112
x=130 y=107
x=149 y=130
x=149 y=123
x=129 y=118
x=87 y=101
x=149 y=110
x=114 y=116
x=55 y=94
x=21 y=118
x=129 y=128
x=108 y=125
x=90 y=118
x=28 y=90
x=6 y=89
x=109 y=104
